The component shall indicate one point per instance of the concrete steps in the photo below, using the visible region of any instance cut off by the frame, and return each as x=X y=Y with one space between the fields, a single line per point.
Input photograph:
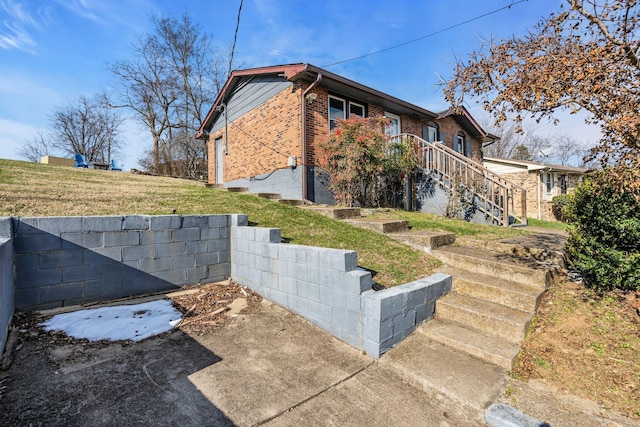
x=495 y=289
x=481 y=345
x=237 y=189
x=336 y=212
x=496 y=264
x=270 y=196
x=446 y=374
x=499 y=320
x=384 y=226
x=424 y=240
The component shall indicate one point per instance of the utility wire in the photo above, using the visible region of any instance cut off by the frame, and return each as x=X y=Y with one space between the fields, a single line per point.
x=235 y=37
x=427 y=35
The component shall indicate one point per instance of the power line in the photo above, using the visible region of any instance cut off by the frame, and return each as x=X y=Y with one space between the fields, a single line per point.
x=235 y=37
x=427 y=35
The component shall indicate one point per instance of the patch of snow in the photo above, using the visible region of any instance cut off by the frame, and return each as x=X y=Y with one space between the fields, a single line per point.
x=123 y=322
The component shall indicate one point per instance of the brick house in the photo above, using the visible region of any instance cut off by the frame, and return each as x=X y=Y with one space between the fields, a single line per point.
x=264 y=126
x=542 y=182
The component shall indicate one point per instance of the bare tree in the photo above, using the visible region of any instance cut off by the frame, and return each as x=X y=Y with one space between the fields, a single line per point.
x=176 y=76
x=86 y=126
x=585 y=58
x=517 y=141
x=36 y=148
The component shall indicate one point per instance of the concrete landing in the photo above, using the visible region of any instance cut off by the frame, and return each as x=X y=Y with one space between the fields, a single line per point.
x=424 y=240
x=384 y=226
x=336 y=212
x=270 y=196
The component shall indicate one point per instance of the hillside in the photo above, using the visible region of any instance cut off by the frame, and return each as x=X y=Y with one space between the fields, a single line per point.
x=32 y=189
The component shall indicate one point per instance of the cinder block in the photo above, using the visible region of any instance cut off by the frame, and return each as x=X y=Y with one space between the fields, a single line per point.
x=219 y=221
x=24 y=298
x=170 y=249
x=437 y=285
x=121 y=238
x=372 y=348
x=353 y=302
x=81 y=273
x=83 y=240
x=27 y=261
x=36 y=242
x=287 y=253
x=276 y=296
x=298 y=304
x=219 y=271
x=197 y=247
x=351 y=339
x=357 y=281
x=288 y=285
x=6 y=227
x=141 y=282
x=102 y=255
x=392 y=305
x=195 y=221
x=206 y=259
x=210 y=233
x=151 y=237
x=134 y=253
x=309 y=291
x=185 y=234
x=425 y=311
x=184 y=262
x=37 y=278
x=353 y=323
x=405 y=323
x=118 y=271
x=332 y=297
x=60 y=224
x=225 y=232
x=268 y=235
x=416 y=293
x=103 y=289
x=165 y=222
x=61 y=292
x=61 y=258
x=269 y=280
x=177 y=277
x=224 y=256
x=220 y=245
x=238 y=220
x=136 y=222
x=153 y=265
x=25 y=225
x=197 y=275
x=102 y=223
x=342 y=260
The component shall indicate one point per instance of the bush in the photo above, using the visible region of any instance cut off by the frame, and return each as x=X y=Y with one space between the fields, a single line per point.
x=604 y=236
x=559 y=205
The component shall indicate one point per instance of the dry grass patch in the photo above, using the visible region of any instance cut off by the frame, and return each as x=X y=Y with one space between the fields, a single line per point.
x=588 y=345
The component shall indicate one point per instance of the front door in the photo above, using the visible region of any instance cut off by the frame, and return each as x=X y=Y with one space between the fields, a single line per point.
x=219 y=157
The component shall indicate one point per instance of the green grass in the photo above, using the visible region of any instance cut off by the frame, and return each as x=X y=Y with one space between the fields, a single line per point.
x=31 y=189
x=553 y=225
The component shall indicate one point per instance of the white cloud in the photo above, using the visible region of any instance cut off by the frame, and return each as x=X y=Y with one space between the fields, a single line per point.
x=12 y=135
x=16 y=25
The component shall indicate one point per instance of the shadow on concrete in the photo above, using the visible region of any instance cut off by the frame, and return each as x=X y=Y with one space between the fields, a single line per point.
x=59 y=382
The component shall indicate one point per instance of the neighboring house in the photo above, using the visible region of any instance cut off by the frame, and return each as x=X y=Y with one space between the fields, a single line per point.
x=264 y=127
x=542 y=182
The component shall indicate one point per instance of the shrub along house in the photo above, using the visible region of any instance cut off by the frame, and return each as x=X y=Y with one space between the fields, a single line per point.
x=264 y=126
x=541 y=180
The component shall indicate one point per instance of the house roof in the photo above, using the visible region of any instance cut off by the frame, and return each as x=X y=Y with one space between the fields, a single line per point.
x=468 y=122
x=330 y=81
x=536 y=166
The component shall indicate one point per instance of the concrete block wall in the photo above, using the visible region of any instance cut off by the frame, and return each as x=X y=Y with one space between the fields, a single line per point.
x=326 y=287
x=70 y=260
x=6 y=279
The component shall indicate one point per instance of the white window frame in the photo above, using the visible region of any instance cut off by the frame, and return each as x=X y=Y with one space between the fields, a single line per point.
x=435 y=131
x=459 y=142
x=548 y=194
x=389 y=129
x=364 y=114
x=344 y=111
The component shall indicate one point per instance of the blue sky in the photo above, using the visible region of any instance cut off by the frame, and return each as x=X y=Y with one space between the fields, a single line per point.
x=52 y=51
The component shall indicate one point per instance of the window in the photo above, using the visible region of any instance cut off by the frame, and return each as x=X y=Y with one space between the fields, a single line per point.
x=563 y=184
x=336 y=111
x=430 y=132
x=394 y=125
x=458 y=143
x=549 y=184
x=356 y=110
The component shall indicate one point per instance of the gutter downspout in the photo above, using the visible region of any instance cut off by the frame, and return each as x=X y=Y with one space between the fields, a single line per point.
x=304 y=136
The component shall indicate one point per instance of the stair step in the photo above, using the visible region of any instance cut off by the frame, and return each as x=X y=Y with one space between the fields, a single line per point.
x=494 y=289
x=484 y=346
x=237 y=189
x=209 y=185
x=380 y=225
x=336 y=213
x=271 y=196
x=544 y=248
x=496 y=264
x=446 y=374
x=501 y=321
x=291 y=202
x=424 y=240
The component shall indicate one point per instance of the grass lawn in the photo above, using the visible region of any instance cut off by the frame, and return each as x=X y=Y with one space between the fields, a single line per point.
x=553 y=225
x=32 y=189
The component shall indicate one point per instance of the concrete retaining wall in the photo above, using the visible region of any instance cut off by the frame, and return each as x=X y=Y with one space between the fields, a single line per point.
x=6 y=279
x=326 y=287
x=286 y=182
x=71 y=260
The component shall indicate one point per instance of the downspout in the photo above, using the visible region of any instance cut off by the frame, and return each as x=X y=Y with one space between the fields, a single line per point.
x=304 y=136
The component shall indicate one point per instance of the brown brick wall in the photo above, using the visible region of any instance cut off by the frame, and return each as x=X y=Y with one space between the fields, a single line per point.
x=261 y=141
x=450 y=127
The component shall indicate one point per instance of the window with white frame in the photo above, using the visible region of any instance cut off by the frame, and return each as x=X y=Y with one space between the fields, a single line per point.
x=356 y=110
x=458 y=143
x=549 y=185
x=432 y=133
x=394 y=124
x=336 y=111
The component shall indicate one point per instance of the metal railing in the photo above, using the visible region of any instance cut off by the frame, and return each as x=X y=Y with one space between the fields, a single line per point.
x=496 y=196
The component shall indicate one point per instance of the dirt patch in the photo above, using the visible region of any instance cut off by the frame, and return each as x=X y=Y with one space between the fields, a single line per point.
x=588 y=345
